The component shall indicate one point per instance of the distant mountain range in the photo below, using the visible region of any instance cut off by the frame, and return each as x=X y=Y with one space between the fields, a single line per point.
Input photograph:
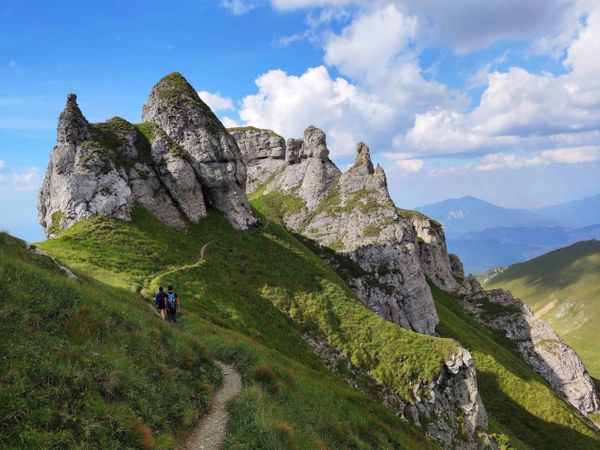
x=485 y=235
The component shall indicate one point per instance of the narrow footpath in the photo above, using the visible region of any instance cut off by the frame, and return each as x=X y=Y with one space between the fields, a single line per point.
x=210 y=432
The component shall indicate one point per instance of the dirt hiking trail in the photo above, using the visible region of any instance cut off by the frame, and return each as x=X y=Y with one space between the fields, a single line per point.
x=210 y=432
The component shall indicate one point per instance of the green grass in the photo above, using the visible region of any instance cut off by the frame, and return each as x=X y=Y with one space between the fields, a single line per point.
x=57 y=218
x=518 y=401
x=249 y=302
x=565 y=286
x=88 y=365
x=275 y=204
x=112 y=136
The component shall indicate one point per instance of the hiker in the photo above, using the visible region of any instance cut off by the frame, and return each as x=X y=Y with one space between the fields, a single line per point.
x=160 y=301
x=172 y=305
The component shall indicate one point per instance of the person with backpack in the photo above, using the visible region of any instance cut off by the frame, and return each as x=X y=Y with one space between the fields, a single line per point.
x=160 y=301
x=172 y=305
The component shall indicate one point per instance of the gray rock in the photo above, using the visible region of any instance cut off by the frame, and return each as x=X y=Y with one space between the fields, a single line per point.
x=105 y=169
x=456 y=268
x=433 y=254
x=449 y=407
x=537 y=342
x=307 y=177
x=175 y=107
x=353 y=214
x=263 y=152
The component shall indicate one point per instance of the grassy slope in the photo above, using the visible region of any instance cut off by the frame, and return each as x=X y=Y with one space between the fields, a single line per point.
x=233 y=301
x=568 y=280
x=517 y=400
x=85 y=364
x=520 y=404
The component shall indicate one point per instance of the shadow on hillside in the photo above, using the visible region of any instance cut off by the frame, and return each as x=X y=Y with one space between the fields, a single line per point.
x=560 y=268
x=532 y=430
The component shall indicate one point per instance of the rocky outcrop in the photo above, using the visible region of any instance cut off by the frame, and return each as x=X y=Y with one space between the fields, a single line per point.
x=353 y=214
x=435 y=261
x=536 y=341
x=175 y=172
x=263 y=152
x=358 y=218
x=449 y=407
x=308 y=173
x=213 y=154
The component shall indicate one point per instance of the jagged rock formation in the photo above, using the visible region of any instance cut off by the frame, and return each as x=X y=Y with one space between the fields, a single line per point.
x=449 y=407
x=353 y=214
x=213 y=154
x=176 y=164
x=263 y=152
x=439 y=267
x=537 y=342
x=386 y=253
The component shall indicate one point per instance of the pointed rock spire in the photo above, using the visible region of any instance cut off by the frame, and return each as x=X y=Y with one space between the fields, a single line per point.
x=175 y=106
x=72 y=125
x=363 y=161
x=314 y=144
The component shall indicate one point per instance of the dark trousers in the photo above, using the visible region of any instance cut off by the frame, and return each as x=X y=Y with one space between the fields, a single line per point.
x=172 y=315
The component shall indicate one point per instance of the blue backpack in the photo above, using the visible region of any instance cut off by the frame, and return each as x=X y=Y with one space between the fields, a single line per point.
x=171 y=300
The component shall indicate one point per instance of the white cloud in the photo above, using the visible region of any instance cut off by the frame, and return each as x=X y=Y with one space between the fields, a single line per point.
x=403 y=162
x=386 y=91
x=522 y=110
x=24 y=180
x=377 y=50
x=229 y=122
x=468 y=25
x=216 y=101
x=238 y=7
x=289 y=103
x=580 y=155
x=371 y=42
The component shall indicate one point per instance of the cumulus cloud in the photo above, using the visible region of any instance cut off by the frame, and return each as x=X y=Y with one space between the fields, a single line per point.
x=238 y=7
x=520 y=109
x=216 y=101
x=24 y=180
x=289 y=103
x=579 y=155
x=376 y=50
x=386 y=90
x=229 y=122
x=472 y=24
x=404 y=163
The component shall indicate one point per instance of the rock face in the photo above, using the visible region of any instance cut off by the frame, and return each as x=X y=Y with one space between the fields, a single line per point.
x=449 y=407
x=436 y=263
x=353 y=214
x=537 y=342
x=175 y=172
x=213 y=154
x=263 y=152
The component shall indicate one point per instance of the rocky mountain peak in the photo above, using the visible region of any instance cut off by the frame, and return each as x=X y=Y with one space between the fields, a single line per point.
x=363 y=161
x=72 y=125
x=176 y=164
x=314 y=144
x=175 y=107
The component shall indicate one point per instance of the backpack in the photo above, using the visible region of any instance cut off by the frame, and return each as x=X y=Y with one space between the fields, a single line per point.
x=158 y=298
x=171 y=300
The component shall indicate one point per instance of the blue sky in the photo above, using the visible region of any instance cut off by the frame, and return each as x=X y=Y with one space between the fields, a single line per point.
x=496 y=99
